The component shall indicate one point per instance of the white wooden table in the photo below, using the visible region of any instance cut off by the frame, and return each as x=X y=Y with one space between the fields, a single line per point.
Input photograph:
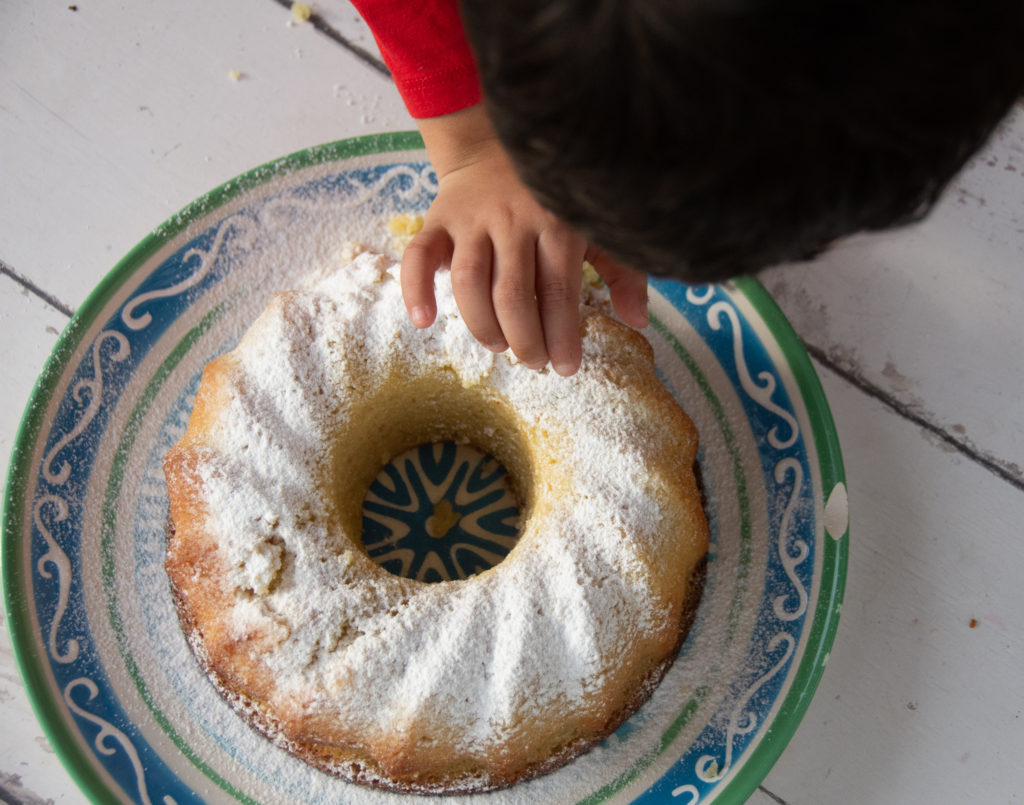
x=115 y=115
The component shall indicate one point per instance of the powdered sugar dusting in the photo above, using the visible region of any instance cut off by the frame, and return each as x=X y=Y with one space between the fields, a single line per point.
x=480 y=659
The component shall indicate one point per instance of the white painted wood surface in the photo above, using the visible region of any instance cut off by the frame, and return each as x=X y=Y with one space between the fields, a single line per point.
x=931 y=315
x=115 y=115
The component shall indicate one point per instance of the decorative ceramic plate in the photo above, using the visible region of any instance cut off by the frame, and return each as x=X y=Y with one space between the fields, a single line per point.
x=104 y=660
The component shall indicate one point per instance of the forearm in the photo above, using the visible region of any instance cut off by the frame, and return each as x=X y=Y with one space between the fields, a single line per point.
x=460 y=139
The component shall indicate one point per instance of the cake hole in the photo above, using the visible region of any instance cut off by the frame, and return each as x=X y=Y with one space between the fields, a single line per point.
x=440 y=512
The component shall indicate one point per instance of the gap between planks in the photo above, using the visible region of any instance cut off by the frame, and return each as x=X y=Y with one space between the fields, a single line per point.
x=771 y=796
x=31 y=287
x=334 y=34
x=1011 y=474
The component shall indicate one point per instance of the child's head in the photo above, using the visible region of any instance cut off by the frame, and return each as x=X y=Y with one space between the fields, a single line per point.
x=708 y=138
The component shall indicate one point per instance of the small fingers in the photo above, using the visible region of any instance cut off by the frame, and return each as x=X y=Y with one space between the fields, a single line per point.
x=628 y=288
x=472 y=281
x=422 y=257
x=558 y=297
x=515 y=299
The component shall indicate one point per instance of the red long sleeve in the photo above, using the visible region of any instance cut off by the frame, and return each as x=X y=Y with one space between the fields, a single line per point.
x=423 y=44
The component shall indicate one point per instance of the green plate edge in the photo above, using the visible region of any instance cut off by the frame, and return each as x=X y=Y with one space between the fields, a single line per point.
x=832 y=585
x=33 y=671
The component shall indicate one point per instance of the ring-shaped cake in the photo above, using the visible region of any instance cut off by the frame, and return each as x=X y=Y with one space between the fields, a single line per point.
x=460 y=685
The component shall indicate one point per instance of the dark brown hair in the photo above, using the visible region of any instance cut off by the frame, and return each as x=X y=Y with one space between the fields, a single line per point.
x=710 y=138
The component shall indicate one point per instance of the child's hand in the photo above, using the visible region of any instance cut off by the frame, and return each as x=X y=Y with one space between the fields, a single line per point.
x=516 y=269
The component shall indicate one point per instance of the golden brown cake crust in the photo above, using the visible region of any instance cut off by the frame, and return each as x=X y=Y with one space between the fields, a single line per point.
x=364 y=674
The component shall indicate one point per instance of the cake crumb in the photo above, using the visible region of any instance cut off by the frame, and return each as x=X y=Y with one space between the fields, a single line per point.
x=405 y=224
x=403 y=228
x=301 y=12
x=236 y=75
x=591 y=276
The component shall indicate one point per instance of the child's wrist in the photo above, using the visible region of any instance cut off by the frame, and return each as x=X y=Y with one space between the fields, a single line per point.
x=460 y=139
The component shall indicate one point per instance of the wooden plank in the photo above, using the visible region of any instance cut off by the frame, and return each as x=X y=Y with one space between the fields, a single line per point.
x=112 y=139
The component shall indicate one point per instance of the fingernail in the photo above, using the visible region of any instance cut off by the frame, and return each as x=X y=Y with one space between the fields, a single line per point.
x=422 y=316
x=566 y=369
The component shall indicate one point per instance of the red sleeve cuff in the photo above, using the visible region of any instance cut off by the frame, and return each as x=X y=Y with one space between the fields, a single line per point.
x=423 y=44
x=439 y=93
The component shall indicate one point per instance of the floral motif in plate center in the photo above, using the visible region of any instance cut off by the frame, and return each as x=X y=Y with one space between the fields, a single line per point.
x=440 y=512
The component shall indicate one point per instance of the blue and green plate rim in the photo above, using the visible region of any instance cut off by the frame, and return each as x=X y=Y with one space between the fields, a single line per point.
x=80 y=763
